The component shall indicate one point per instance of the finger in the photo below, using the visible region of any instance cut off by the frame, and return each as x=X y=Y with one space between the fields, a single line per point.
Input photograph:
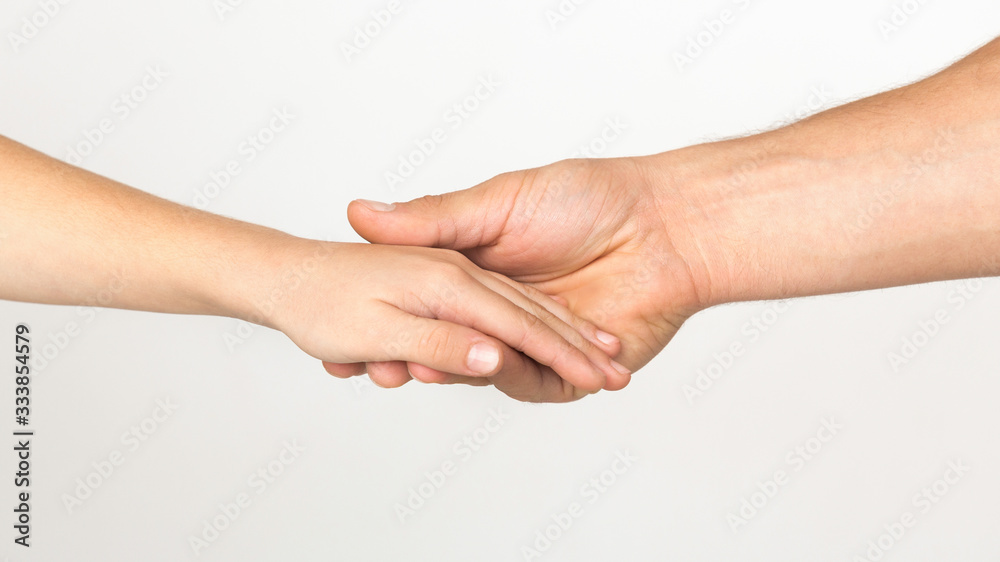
x=577 y=331
x=608 y=343
x=497 y=316
x=525 y=380
x=442 y=345
x=388 y=374
x=427 y=375
x=621 y=380
x=521 y=379
x=618 y=375
x=344 y=370
x=459 y=220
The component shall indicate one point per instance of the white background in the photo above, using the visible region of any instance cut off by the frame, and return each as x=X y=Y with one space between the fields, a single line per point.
x=367 y=448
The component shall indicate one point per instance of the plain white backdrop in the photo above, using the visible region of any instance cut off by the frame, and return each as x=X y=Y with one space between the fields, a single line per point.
x=243 y=394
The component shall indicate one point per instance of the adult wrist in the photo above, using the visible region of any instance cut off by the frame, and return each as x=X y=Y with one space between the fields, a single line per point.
x=706 y=196
x=824 y=206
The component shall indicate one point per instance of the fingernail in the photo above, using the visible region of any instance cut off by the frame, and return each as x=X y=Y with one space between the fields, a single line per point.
x=606 y=338
x=620 y=368
x=377 y=206
x=483 y=358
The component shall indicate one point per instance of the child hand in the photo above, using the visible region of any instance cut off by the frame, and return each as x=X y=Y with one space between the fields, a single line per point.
x=432 y=314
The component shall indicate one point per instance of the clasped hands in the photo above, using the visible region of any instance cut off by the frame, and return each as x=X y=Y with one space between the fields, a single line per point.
x=556 y=282
x=549 y=284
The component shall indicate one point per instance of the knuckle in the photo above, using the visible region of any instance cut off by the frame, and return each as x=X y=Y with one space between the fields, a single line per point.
x=435 y=345
x=564 y=357
x=462 y=261
x=512 y=181
x=432 y=202
x=450 y=269
x=537 y=330
x=577 y=340
x=450 y=282
x=531 y=292
x=532 y=328
x=571 y=335
x=436 y=205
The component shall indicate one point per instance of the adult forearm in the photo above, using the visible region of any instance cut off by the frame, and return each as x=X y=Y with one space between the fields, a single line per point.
x=75 y=238
x=899 y=188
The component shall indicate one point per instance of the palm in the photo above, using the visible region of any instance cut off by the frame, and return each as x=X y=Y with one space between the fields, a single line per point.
x=586 y=231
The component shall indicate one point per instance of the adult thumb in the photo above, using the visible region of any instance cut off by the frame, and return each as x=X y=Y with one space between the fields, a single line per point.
x=459 y=220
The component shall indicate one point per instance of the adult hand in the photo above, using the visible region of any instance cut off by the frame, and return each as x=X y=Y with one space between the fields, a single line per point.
x=596 y=234
x=895 y=189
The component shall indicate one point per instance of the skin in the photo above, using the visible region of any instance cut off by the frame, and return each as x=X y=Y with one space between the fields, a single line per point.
x=895 y=189
x=70 y=237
